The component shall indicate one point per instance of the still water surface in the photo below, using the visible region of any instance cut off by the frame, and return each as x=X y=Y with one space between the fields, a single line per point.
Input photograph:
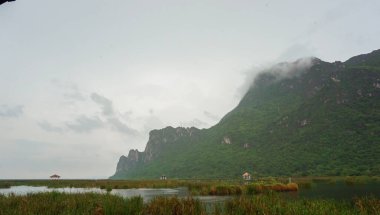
x=338 y=191
x=146 y=193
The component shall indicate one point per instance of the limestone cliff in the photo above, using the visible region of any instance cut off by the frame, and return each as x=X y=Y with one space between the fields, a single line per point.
x=159 y=141
x=308 y=117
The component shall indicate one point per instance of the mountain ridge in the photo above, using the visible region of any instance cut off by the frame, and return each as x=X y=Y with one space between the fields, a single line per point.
x=308 y=117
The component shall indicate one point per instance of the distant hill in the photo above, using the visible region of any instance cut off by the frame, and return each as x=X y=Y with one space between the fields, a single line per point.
x=303 y=118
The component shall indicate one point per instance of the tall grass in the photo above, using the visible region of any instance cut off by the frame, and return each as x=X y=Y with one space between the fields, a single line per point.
x=174 y=206
x=260 y=188
x=98 y=204
x=199 y=187
x=114 y=184
x=195 y=187
x=61 y=203
x=5 y=185
x=272 y=203
x=124 y=184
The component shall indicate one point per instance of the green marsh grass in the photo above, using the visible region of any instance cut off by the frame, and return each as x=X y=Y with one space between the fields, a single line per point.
x=195 y=187
x=61 y=203
x=200 y=187
x=99 y=204
x=5 y=185
x=174 y=206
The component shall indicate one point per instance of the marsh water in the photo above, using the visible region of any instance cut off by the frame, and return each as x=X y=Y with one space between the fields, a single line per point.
x=146 y=193
x=338 y=190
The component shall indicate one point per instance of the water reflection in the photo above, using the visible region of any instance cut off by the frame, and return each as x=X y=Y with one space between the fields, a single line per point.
x=338 y=190
x=146 y=193
x=23 y=190
x=317 y=190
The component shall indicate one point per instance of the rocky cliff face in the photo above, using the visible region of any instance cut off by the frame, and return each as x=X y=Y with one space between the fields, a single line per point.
x=158 y=141
x=303 y=118
x=163 y=137
x=129 y=162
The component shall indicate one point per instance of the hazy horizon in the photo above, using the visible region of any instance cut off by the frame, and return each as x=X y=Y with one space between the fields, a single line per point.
x=82 y=82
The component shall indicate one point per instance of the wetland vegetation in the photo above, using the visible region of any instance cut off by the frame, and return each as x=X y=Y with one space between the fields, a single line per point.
x=261 y=196
x=91 y=203
x=202 y=187
x=195 y=187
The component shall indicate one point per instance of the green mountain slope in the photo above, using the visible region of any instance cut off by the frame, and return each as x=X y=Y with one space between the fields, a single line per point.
x=308 y=117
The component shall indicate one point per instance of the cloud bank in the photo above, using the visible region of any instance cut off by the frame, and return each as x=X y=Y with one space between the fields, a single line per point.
x=11 y=111
x=273 y=73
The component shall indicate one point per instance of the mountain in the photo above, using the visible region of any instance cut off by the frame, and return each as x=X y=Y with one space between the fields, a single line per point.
x=308 y=117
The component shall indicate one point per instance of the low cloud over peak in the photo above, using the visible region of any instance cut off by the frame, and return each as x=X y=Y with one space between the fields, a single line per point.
x=274 y=72
x=211 y=115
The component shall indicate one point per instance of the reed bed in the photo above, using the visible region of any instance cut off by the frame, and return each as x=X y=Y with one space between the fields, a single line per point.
x=193 y=183
x=195 y=187
x=5 y=185
x=200 y=187
x=61 y=203
x=332 y=179
x=103 y=184
x=274 y=204
x=99 y=204
x=260 y=188
x=174 y=206
x=216 y=189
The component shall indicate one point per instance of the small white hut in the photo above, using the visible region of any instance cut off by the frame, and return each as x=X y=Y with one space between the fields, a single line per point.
x=246 y=176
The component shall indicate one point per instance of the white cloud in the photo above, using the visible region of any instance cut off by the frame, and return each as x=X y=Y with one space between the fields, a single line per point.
x=104 y=103
x=85 y=124
x=120 y=126
x=211 y=116
x=11 y=111
x=194 y=123
x=91 y=80
x=49 y=127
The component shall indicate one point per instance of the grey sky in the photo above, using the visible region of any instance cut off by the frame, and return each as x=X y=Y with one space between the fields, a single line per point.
x=82 y=82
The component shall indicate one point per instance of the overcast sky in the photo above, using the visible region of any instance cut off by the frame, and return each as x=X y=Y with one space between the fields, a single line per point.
x=84 y=81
